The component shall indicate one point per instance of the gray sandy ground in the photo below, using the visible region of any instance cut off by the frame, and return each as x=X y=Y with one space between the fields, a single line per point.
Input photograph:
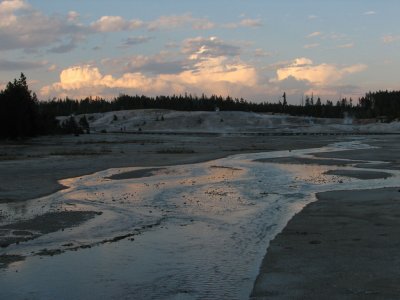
x=344 y=246
x=388 y=151
x=359 y=174
x=30 y=229
x=32 y=169
x=47 y=223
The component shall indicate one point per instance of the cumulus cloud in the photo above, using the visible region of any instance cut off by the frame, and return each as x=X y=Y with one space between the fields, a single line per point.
x=388 y=39
x=323 y=74
x=9 y=65
x=72 y=16
x=250 y=23
x=23 y=27
x=160 y=63
x=175 y=21
x=63 y=48
x=208 y=47
x=261 y=53
x=215 y=75
x=244 y=23
x=346 y=46
x=309 y=46
x=10 y=6
x=52 y=68
x=314 y=34
x=115 y=23
x=136 y=40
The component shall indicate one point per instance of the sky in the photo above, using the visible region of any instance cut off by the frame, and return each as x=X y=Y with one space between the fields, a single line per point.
x=255 y=49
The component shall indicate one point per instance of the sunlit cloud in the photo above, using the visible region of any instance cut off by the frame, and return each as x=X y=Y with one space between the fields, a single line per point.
x=176 y=21
x=161 y=63
x=52 y=68
x=73 y=16
x=388 y=39
x=208 y=47
x=261 y=53
x=323 y=74
x=10 y=6
x=115 y=23
x=213 y=75
x=369 y=13
x=314 y=34
x=251 y=23
x=309 y=46
x=346 y=46
x=23 y=27
x=254 y=23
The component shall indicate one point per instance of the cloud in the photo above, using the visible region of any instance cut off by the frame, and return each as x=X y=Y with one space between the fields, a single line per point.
x=369 y=13
x=254 y=23
x=52 y=68
x=208 y=47
x=10 y=6
x=23 y=27
x=251 y=23
x=388 y=39
x=214 y=75
x=63 y=48
x=72 y=16
x=320 y=75
x=346 y=46
x=115 y=23
x=155 y=64
x=175 y=21
x=8 y=65
x=309 y=46
x=314 y=34
x=261 y=53
x=137 y=40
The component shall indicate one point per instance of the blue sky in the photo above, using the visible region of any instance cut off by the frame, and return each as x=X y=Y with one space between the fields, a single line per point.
x=256 y=49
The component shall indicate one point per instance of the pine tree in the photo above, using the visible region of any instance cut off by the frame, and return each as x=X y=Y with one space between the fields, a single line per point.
x=18 y=110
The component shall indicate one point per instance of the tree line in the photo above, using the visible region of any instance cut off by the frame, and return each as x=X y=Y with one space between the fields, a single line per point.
x=372 y=105
x=22 y=115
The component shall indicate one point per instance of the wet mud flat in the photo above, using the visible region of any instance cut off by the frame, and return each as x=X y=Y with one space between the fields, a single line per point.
x=23 y=231
x=344 y=246
x=203 y=228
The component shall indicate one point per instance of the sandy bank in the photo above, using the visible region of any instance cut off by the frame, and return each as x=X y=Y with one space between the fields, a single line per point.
x=343 y=246
x=359 y=174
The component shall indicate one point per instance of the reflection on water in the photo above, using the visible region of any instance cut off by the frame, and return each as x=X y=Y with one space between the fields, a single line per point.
x=195 y=231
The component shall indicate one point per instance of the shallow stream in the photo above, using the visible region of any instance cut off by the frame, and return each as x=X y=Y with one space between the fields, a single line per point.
x=195 y=231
